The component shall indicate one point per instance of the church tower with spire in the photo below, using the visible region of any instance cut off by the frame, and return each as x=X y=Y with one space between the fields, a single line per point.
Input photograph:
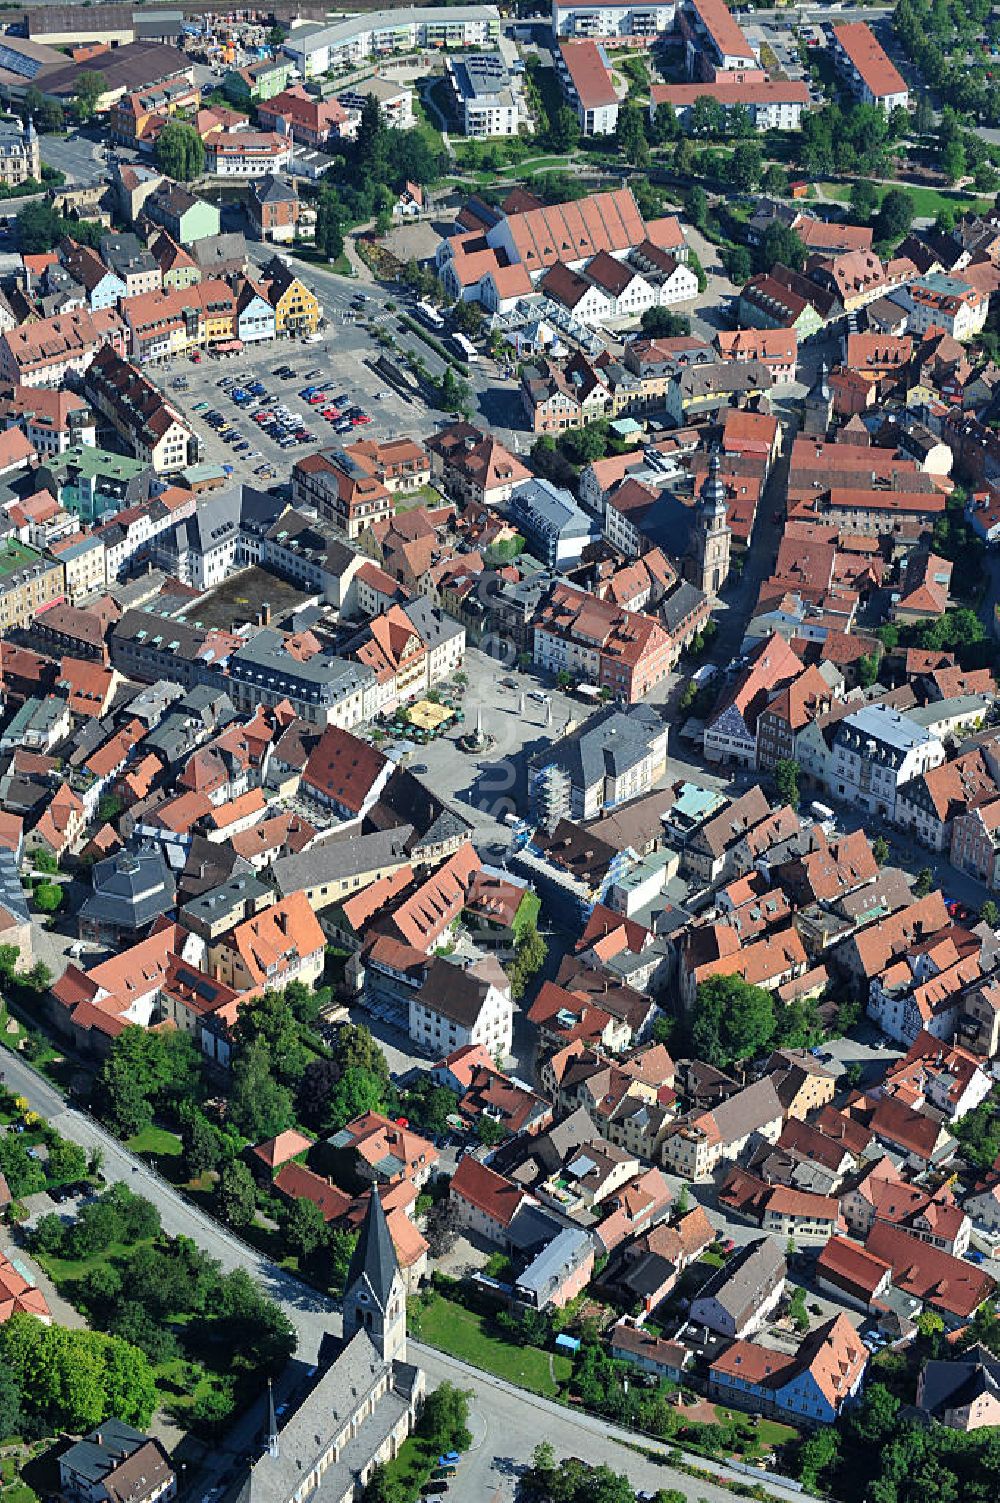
x=375 y=1296
x=713 y=536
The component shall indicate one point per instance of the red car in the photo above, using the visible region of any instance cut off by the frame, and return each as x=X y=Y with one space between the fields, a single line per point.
x=316 y=398
x=332 y=414
x=362 y=417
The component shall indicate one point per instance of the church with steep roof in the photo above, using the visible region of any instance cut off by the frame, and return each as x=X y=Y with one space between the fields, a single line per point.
x=363 y=1404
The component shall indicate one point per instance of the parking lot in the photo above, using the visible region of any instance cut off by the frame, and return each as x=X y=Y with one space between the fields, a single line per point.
x=251 y=412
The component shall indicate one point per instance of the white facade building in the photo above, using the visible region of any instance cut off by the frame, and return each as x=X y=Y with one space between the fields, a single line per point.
x=456 y=1007
x=317 y=48
x=626 y=20
x=875 y=751
x=486 y=95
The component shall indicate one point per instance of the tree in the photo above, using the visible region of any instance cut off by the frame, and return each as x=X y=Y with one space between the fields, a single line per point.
x=259 y=1106
x=923 y=883
x=269 y=1019
x=120 y=1099
x=380 y=1487
x=48 y=897
x=89 y=88
x=779 y=244
x=67 y=1162
x=10 y=1406
x=895 y=215
x=732 y=1020
x=630 y=136
x=953 y=160
x=990 y=914
x=305 y=1229
x=746 y=166
x=868 y=670
x=146 y=1072
x=818 y=1454
x=663 y=323
x=529 y=956
x=445 y=1418
x=39 y=227
x=775 y=180
x=370 y=142
x=684 y=157
x=330 y=215
x=236 y=1194
x=340 y=1249
x=923 y=114
x=864 y=198
x=358 y=1090
x=314 y=1092
x=202 y=1140
x=75 y=1379
x=441 y=1227
x=50 y=116
x=738 y=263
x=663 y=127
x=49 y=1234
x=428 y=1105
x=929 y=1323
x=880 y=849
x=489 y=1131
x=564 y=130
x=696 y=206
x=797 y=1310
x=786 y=780
x=874 y=1419
x=707 y=117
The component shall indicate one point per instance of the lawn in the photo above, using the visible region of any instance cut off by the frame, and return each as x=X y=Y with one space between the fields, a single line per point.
x=15 y=555
x=19 y=1492
x=64 y=1271
x=771 y=1434
x=341 y=267
x=927 y=202
x=768 y=1433
x=466 y=1335
x=412 y=1467
x=156 y=1140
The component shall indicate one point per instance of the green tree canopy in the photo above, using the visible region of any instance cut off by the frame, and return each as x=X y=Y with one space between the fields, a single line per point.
x=779 y=244
x=180 y=151
x=237 y=1194
x=630 y=135
x=664 y=323
x=358 y=1090
x=786 y=780
x=732 y=1020
x=259 y=1105
x=89 y=88
x=895 y=215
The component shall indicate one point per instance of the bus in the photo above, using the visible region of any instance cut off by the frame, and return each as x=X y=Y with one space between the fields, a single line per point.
x=430 y=316
x=464 y=348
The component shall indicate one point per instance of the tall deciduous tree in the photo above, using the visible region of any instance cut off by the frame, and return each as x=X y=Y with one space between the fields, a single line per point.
x=259 y=1106
x=180 y=151
x=237 y=1196
x=732 y=1020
